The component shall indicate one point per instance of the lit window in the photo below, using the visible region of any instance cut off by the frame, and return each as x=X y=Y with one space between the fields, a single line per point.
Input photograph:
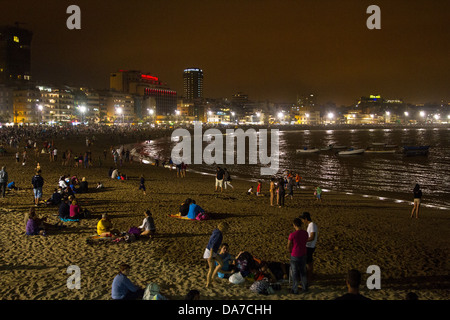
x=16 y=39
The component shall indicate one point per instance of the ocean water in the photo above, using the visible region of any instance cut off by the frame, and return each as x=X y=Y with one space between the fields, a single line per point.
x=388 y=177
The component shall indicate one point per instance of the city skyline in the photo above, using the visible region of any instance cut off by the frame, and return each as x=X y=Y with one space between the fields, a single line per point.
x=268 y=50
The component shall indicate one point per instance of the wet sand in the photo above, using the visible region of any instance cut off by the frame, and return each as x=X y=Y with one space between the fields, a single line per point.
x=354 y=232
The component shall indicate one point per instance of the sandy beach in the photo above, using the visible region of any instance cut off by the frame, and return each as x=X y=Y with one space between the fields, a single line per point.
x=354 y=232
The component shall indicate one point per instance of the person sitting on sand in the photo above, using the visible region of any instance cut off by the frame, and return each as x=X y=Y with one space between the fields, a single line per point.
x=115 y=174
x=184 y=208
x=83 y=186
x=353 y=282
x=35 y=225
x=148 y=227
x=227 y=260
x=105 y=227
x=62 y=182
x=250 y=191
x=123 y=288
x=194 y=210
x=64 y=209
x=99 y=185
x=75 y=210
x=56 y=197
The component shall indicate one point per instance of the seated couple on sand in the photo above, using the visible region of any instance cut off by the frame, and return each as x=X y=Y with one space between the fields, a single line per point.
x=191 y=210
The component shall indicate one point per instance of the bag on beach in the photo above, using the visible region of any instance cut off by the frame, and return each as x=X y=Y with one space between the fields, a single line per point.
x=236 y=278
x=260 y=286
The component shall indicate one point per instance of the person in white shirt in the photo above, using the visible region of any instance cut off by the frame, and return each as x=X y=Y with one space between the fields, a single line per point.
x=313 y=232
x=148 y=225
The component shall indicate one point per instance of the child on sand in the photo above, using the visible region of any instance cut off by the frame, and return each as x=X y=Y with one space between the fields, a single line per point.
x=318 y=193
x=258 y=188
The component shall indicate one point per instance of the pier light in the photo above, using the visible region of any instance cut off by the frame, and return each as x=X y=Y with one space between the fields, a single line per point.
x=406 y=113
x=422 y=113
x=436 y=117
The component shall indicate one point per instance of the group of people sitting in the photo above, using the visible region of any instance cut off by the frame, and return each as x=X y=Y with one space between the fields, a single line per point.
x=116 y=174
x=191 y=210
x=265 y=275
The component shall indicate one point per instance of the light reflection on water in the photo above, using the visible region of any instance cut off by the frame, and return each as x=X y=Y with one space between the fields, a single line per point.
x=390 y=176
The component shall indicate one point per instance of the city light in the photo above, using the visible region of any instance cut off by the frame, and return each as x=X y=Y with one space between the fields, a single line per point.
x=388 y=113
x=330 y=115
x=436 y=117
x=406 y=113
x=258 y=114
x=177 y=112
x=307 y=115
x=422 y=113
x=280 y=115
x=151 y=111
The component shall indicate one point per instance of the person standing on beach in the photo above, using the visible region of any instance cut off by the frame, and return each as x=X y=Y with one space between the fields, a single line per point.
x=219 y=179
x=38 y=182
x=272 y=190
x=3 y=181
x=142 y=184
x=313 y=233
x=211 y=252
x=297 y=248
x=417 y=197
x=318 y=194
x=227 y=178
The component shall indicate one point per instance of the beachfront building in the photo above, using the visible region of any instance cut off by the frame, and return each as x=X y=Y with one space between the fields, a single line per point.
x=146 y=85
x=15 y=55
x=305 y=117
x=6 y=104
x=26 y=102
x=116 y=107
x=57 y=104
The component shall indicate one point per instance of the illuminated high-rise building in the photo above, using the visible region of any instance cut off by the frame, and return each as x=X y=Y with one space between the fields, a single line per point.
x=193 y=83
x=15 y=55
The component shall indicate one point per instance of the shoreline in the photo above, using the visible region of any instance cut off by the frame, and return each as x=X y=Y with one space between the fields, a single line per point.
x=353 y=232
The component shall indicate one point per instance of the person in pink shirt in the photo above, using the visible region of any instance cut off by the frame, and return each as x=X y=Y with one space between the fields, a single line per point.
x=297 y=248
x=75 y=210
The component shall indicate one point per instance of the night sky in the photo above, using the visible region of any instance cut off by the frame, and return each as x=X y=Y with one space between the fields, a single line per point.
x=268 y=49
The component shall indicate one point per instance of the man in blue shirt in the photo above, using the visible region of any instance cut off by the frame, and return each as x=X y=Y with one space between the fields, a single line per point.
x=123 y=288
x=194 y=210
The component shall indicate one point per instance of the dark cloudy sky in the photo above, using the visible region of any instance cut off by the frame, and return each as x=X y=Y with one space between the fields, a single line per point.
x=269 y=49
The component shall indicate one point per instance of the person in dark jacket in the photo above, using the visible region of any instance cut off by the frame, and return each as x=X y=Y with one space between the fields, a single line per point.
x=38 y=182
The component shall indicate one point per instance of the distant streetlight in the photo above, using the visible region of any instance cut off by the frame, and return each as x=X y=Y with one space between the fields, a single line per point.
x=40 y=107
x=119 y=111
x=436 y=117
x=388 y=113
x=258 y=114
x=280 y=115
x=422 y=113
x=406 y=113
x=82 y=110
